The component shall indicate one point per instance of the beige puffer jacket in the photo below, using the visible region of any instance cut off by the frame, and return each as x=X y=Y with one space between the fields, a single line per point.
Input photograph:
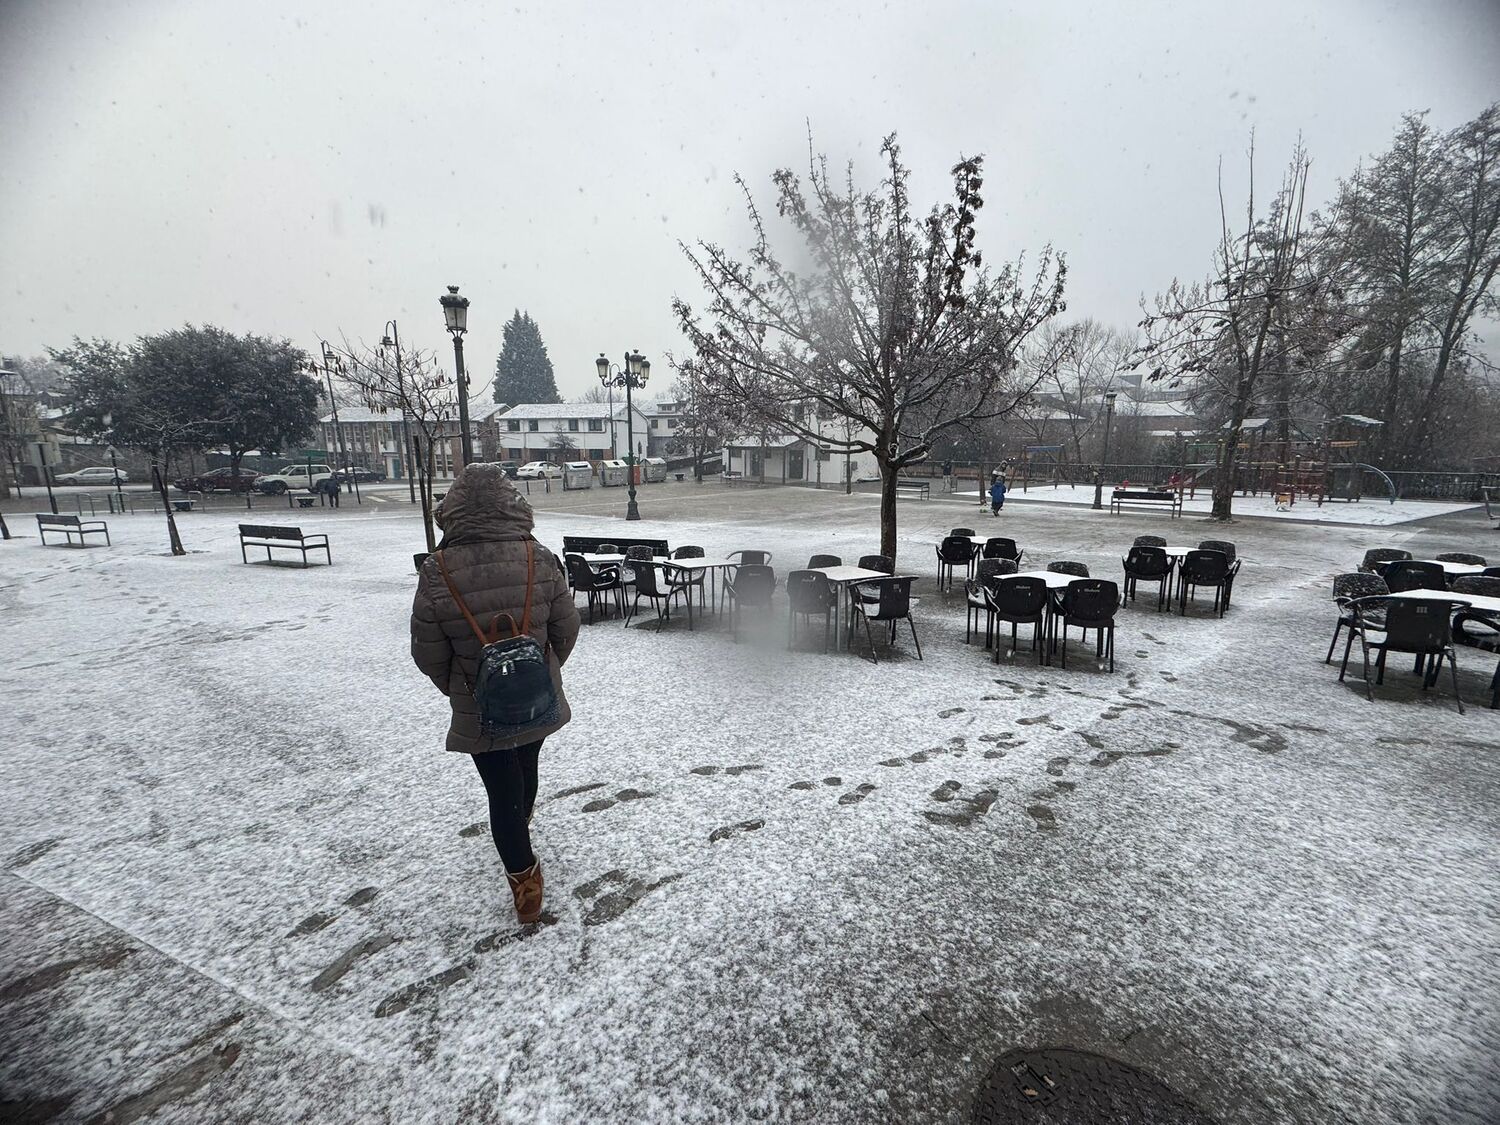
x=486 y=524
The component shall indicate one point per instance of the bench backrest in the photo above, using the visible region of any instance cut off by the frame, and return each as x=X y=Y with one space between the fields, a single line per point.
x=1136 y=494
x=269 y=531
x=589 y=544
x=58 y=521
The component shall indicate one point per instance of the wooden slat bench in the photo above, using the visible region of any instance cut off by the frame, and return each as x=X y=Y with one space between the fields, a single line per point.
x=285 y=538
x=1147 y=498
x=71 y=526
x=919 y=488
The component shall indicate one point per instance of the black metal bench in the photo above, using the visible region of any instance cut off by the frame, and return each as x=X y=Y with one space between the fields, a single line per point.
x=1147 y=498
x=914 y=488
x=286 y=538
x=589 y=544
x=71 y=526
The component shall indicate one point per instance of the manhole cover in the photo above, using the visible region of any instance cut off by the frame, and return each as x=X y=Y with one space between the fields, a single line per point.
x=1060 y=1086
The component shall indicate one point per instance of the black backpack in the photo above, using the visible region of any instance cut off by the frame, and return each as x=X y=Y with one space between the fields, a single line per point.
x=514 y=690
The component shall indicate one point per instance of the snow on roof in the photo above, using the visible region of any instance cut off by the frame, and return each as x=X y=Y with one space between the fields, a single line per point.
x=549 y=410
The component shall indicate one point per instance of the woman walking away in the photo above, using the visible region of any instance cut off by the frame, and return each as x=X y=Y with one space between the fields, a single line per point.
x=997 y=493
x=490 y=579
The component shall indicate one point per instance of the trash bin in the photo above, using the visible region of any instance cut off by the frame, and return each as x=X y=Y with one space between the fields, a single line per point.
x=611 y=473
x=577 y=475
x=656 y=469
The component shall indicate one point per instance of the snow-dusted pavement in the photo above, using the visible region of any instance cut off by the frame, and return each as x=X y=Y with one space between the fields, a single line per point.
x=244 y=883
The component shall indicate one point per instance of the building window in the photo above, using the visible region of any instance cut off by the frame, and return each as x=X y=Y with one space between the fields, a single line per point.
x=596 y=425
x=573 y=425
x=671 y=423
x=533 y=426
x=513 y=425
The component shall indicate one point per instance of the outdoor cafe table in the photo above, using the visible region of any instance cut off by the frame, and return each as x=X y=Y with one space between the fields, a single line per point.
x=841 y=578
x=1055 y=584
x=712 y=566
x=1451 y=569
x=1473 y=601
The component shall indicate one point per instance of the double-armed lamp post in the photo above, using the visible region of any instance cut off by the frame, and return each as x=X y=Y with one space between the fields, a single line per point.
x=456 y=314
x=1109 y=416
x=631 y=375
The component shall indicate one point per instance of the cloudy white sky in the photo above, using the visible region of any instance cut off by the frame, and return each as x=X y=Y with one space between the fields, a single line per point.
x=311 y=169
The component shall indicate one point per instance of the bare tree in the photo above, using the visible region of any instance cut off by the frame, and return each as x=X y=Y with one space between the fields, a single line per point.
x=593 y=394
x=889 y=320
x=418 y=391
x=703 y=421
x=1222 y=335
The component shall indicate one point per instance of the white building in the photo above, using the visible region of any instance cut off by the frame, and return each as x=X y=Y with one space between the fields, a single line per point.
x=569 y=431
x=665 y=420
x=786 y=459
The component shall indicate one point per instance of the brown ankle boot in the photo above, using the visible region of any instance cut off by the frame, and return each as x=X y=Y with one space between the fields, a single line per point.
x=526 y=888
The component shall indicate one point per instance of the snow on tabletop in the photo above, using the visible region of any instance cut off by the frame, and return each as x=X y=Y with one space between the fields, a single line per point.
x=781 y=885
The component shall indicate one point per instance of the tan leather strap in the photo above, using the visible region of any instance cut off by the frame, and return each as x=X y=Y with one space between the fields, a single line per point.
x=485 y=639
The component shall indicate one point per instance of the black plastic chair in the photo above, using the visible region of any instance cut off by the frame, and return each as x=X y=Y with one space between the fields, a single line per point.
x=1406 y=574
x=1147 y=564
x=609 y=549
x=1229 y=552
x=597 y=584
x=1415 y=626
x=1149 y=541
x=886 y=600
x=649 y=583
x=1466 y=557
x=752 y=587
x=808 y=594
x=954 y=552
x=1066 y=566
x=963 y=531
x=1477 y=628
x=750 y=558
x=1202 y=568
x=1492 y=572
x=986 y=573
x=883 y=563
x=1021 y=601
x=1376 y=557
x=818 y=562
x=697 y=579
x=999 y=547
x=1347 y=588
x=636 y=554
x=1090 y=603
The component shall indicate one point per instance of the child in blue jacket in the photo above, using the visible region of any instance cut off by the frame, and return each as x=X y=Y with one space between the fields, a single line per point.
x=997 y=494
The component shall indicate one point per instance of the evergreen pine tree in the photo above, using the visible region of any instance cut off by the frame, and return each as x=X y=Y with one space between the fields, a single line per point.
x=523 y=373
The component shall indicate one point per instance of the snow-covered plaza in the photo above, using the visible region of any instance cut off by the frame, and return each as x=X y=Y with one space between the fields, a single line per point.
x=243 y=881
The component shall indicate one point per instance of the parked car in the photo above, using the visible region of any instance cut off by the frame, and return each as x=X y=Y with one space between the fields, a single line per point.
x=359 y=473
x=218 y=480
x=536 y=470
x=509 y=468
x=91 y=476
x=294 y=477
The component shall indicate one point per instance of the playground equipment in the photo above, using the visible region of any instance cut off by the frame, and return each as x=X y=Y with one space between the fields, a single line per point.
x=1317 y=469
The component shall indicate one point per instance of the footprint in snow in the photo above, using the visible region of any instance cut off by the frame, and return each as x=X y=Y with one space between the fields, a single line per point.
x=1044 y=817
x=577 y=789
x=857 y=794
x=805 y=785
x=610 y=802
x=728 y=771
x=960 y=811
x=607 y=905
x=323 y=919
x=734 y=830
x=950 y=712
x=478 y=828
x=1055 y=766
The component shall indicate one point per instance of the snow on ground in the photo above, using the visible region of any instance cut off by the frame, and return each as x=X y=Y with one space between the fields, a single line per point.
x=245 y=883
x=1370 y=512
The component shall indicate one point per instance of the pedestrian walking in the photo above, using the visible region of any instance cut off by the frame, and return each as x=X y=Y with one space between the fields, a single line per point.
x=997 y=492
x=488 y=568
x=947 y=476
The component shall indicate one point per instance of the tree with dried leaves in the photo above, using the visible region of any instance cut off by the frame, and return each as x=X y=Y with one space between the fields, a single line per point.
x=888 y=324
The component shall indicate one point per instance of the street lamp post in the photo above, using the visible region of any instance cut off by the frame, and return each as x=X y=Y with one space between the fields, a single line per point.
x=41 y=456
x=392 y=339
x=456 y=314
x=631 y=375
x=1109 y=414
x=114 y=464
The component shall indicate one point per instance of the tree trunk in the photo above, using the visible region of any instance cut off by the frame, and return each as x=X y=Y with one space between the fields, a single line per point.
x=166 y=502
x=887 y=508
x=235 y=457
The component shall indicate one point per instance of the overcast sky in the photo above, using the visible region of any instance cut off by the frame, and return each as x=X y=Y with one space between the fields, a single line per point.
x=311 y=169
